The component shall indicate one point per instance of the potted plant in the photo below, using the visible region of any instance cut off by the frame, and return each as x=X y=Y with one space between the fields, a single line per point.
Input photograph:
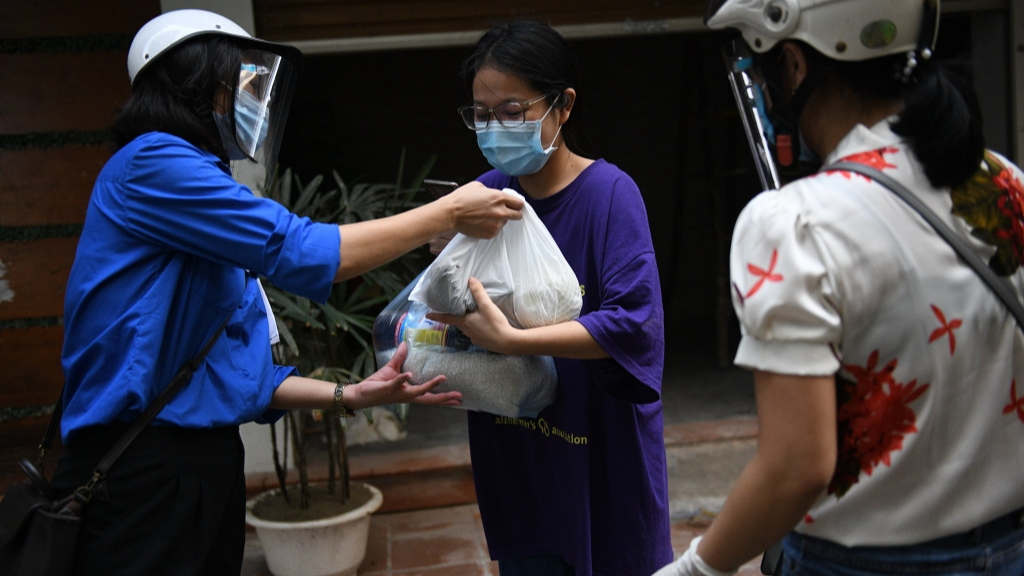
x=321 y=529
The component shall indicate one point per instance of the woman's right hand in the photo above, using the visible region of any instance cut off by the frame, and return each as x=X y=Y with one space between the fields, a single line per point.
x=479 y=211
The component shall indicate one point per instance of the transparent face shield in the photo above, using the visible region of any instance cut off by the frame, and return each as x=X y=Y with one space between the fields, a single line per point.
x=753 y=101
x=262 y=99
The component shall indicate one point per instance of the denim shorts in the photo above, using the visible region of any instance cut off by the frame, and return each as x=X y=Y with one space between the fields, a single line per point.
x=993 y=549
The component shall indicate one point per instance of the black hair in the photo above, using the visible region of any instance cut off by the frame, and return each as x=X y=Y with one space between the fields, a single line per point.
x=942 y=122
x=941 y=117
x=176 y=94
x=533 y=52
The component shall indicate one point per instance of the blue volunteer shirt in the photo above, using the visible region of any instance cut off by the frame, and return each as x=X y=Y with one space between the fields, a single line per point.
x=162 y=260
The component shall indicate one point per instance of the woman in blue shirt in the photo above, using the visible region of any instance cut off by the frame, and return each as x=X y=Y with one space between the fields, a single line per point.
x=171 y=246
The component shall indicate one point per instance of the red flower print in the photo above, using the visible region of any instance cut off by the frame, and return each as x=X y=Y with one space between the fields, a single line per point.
x=763 y=274
x=875 y=159
x=1011 y=205
x=1016 y=404
x=946 y=328
x=873 y=419
x=808 y=519
x=991 y=202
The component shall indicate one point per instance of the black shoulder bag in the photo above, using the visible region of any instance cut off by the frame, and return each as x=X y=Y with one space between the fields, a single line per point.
x=771 y=563
x=38 y=532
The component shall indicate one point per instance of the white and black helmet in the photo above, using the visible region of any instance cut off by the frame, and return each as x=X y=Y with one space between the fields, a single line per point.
x=841 y=30
x=848 y=30
x=168 y=30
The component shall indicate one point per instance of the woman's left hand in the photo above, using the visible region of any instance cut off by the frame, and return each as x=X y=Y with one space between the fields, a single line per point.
x=487 y=327
x=389 y=386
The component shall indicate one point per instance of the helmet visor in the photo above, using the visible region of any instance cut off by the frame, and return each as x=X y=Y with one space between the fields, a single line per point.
x=751 y=93
x=263 y=96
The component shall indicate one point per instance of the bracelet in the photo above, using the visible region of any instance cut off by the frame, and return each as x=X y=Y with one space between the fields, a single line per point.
x=340 y=410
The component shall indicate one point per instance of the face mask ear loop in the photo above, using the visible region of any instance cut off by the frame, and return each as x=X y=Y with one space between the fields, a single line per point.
x=552 y=146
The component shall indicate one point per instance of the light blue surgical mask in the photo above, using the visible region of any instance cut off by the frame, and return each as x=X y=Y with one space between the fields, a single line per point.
x=807 y=156
x=247 y=116
x=515 y=150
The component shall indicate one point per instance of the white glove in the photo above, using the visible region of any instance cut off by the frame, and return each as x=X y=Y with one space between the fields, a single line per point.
x=690 y=564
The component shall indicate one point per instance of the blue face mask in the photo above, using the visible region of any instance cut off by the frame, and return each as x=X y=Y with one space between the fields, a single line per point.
x=807 y=156
x=247 y=116
x=516 y=150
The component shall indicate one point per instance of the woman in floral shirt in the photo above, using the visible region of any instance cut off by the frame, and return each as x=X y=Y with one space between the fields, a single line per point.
x=891 y=419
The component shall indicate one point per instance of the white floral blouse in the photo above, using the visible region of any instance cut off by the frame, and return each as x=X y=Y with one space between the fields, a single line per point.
x=834 y=274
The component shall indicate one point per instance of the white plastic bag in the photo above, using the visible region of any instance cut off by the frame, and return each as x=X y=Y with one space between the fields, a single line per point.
x=521 y=268
x=513 y=386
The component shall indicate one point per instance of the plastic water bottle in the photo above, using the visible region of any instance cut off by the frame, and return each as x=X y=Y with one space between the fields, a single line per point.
x=405 y=320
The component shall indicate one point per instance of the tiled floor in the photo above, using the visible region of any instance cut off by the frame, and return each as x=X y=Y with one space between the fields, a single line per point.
x=428 y=542
x=440 y=542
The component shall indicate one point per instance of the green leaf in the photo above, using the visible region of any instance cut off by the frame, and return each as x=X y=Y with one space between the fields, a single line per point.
x=286 y=335
x=362 y=297
x=388 y=279
x=401 y=169
x=285 y=195
x=335 y=318
x=368 y=303
x=402 y=411
x=318 y=202
x=307 y=194
x=297 y=309
x=366 y=363
x=423 y=172
x=341 y=183
x=362 y=342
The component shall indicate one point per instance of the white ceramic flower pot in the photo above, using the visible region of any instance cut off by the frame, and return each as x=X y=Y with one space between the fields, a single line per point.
x=332 y=546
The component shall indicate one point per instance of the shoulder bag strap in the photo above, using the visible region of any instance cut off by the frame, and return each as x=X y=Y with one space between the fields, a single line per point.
x=771 y=562
x=52 y=427
x=183 y=377
x=998 y=285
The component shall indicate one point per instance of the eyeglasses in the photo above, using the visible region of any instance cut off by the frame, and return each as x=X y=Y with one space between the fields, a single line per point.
x=509 y=114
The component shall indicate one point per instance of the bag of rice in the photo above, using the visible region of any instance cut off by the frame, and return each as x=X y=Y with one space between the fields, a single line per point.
x=513 y=386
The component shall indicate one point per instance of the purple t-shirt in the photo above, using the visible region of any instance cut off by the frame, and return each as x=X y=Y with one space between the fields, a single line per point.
x=587 y=480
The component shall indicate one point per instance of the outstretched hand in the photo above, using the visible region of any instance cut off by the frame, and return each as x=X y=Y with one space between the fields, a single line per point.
x=487 y=327
x=390 y=386
x=480 y=211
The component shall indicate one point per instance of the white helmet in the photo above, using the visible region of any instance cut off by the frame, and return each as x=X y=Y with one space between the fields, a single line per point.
x=267 y=75
x=170 y=29
x=849 y=30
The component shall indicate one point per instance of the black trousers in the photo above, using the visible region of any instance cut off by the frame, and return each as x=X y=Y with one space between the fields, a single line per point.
x=174 y=504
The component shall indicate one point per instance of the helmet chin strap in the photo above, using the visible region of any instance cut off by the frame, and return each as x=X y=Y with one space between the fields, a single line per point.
x=785 y=117
x=807 y=87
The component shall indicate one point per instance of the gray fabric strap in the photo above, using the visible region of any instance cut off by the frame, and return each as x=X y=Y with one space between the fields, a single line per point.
x=998 y=285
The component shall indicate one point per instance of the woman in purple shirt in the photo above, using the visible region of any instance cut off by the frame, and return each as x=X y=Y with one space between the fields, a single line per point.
x=581 y=489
